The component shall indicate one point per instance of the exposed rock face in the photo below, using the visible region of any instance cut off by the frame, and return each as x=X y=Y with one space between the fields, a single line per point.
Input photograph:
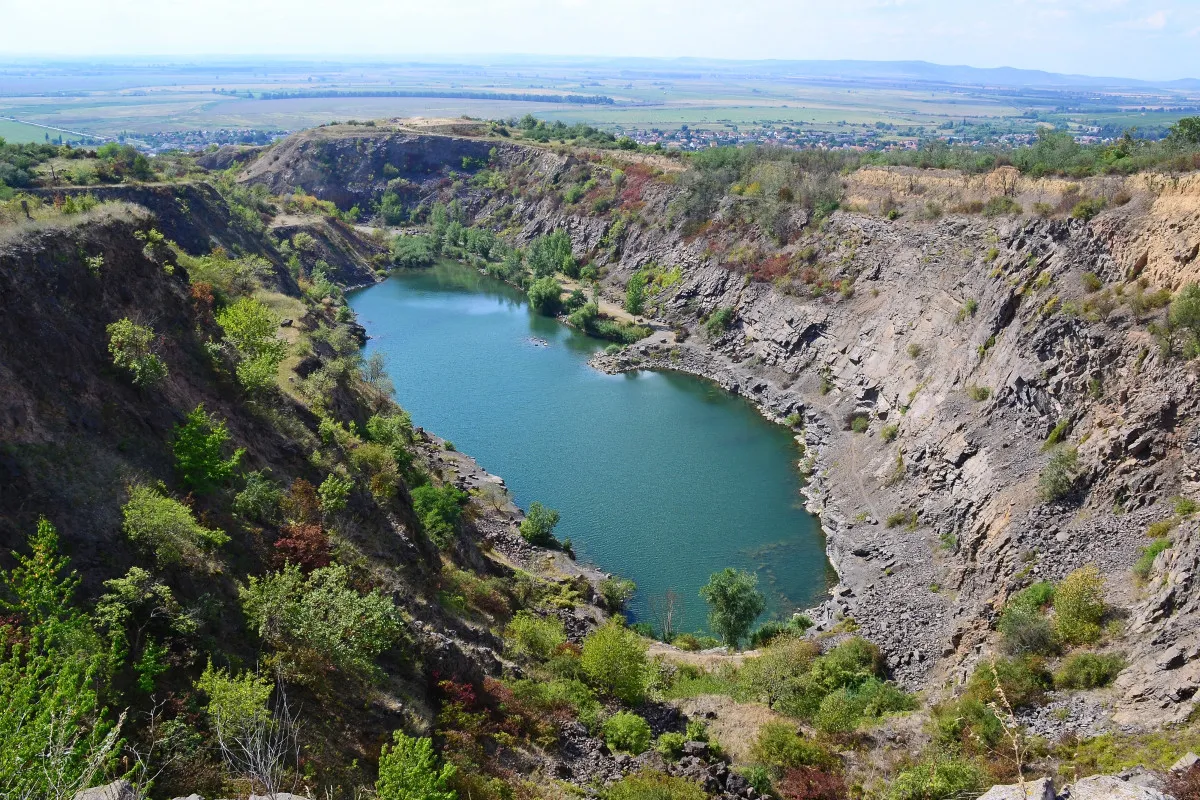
x=974 y=337
x=1040 y=789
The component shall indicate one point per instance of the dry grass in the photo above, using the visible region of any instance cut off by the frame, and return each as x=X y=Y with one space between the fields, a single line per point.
x=735 y=725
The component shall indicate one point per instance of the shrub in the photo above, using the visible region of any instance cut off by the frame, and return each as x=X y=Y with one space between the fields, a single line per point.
x=967 y=724
x=439 y=510
x=544 y=296
x=334 y=492
x=1024 y=630
x=614 y=659
x=320 y=620
x=1088 y=671
x=649 y=785
x=1146 y=555
x=1035 y=596
x=409 y=252
x=1058 y=477
x=779 y=745
x=1079 y=606
x=903 y=516
x=1091 y=282
x=198 y=444
x=670 y=745
x=250 y=329
x=306 y=545
x=616 y=592
x=535 y=636
x=635 y=294
x=1186 y=506
x=260 y=498
x=409 y=770
x=978 y=393
x=1184 y=784
x=166 y=527
x=236 y=705
x=1088 y=208
x=859 y=423
x=1024 y=680
x=811 y=783
x=845 y=709
x=627 y=732
x=773 y=629
x=718 y=322
x=778 y=674
x=890 y=432
x=548 y=254
x=938 y=779
x=132 y=349
x=1184 y=316
x=1157 y=530
x=1001 y=206
x=538 y=525
x=734 y=603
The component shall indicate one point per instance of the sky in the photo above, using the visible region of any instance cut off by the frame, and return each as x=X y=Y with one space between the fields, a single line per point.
x=1150 y=39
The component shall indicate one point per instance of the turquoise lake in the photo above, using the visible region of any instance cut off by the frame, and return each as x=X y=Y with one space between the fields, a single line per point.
x=660 y=477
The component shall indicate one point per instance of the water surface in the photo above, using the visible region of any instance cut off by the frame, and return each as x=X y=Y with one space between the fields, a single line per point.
x=661 y=477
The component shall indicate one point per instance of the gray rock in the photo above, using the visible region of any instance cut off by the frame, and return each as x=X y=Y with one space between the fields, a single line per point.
x=192 y=796
x=278 y=796
x=699 y=749
x=1106 y=787
x=1041 y=789
x=1185 y=762
x=117 y=790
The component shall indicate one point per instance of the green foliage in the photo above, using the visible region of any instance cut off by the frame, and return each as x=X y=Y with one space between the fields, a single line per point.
x=1024 y=680
x=718 y=322
x=1091 y=282
x=1184 y=316
x=321 y=620
x=616 y=592
x=670 y=745
x=198 y=444
x=260 y=498
x=538 y=525
x=534 y=636
x=778 y=745
x=1186 y=506
x=250 y=330
x=1001 y=206
x=410 y=252
x=614 y=660
x=132 y=349
x=890 y=432
x=734 y=604
x=1088 y=208
x=1146 y=555
x=1024 y=630
x=978 y=393
x=548 y=254
x=1057 y=433
x=649 y=785
x=150 y=665
x=167 y=528
x=1079 y=606
x=544 y=295
x=968 y=725
x=627 y=733
x=334 y=492
x=905 y=517
x=54 y=671
x=635 y=294
x=844 y=710
x=771 y=630
x=967 y=309
x=1088 y=671
x=439 y=509
x=409 y=770
x=236 y=705
x=939 y=778
x=1057 y=479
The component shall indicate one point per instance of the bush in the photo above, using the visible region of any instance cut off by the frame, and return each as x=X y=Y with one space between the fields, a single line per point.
x=1026 y=631
x=939 y=779
x=614 y=659
x=1184 y=784
x=544 y=296
x=1079 y=606
x=906 y=517
x=734 y=603
x=197 y=445
x=409 y=770
x=538 y=525
x=1184 y=316
x=1091 y=282
x=670 y=745
x=548 y=254
x=778 y=675
x=334 y=491
x=166 y=527
x=538 y=637
x=319 y=620
x=1001 y=206
x=439 y=510
x=1088 y=208
x=859 y=423
x=847 y=708
x=1088 y=671
x=627 y=732
x=779 y=745
x=797 y=625
x=616 y=592
x=132 y=349
x=810 y=783
x=251 y=330
x=236 y=705
x=1024 y=680
x=1146 y=555
x=890 y=432
x=967 y=724
x=1058 y=477
x=260 y=498
x=649 y=785
x=718 y=322
x=978 y=393
x=1034 y=597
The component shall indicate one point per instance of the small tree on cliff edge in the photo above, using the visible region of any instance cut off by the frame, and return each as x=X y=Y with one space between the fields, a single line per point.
x=734 y=603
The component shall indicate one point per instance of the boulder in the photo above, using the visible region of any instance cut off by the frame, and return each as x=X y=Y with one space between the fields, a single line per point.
x=1040 y=789
x=1106 y=787
x=117 y=790
x=277 y=796
x=1185 y=762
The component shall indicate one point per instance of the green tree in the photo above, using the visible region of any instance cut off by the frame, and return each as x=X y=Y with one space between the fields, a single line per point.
x=1079 y=606
x=198 y=446
x=132 y=349
x=635 y=294
x=409 y=770
x=614 y=659
x=250 y=329
x=236 y=704
x=439 y=510
x=734 y=604
x=54 y=670
x=545 y=296
x=1186 y=132
x=166 y=527
x=538 y=525
x=548 y=254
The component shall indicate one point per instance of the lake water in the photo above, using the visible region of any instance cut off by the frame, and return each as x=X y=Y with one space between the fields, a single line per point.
x=660 y=477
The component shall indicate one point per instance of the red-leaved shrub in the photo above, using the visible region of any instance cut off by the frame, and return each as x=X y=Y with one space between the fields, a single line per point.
x=811 y=783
